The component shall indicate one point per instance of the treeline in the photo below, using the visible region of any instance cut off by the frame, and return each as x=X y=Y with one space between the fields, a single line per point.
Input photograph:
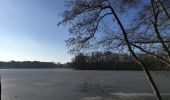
x=113 y=61
x=29 y=64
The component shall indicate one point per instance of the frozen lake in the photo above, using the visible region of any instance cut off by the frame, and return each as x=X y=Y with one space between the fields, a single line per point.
x=67 y=84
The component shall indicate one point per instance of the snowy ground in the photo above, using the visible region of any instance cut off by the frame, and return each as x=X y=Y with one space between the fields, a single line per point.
x=66 y=84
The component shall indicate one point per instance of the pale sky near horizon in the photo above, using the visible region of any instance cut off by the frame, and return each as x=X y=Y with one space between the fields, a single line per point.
x=29 y=31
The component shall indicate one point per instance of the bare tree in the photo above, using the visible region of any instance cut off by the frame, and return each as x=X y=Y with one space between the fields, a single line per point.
x=96 y=24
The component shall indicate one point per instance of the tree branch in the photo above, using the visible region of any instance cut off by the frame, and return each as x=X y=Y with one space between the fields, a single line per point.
x=96 y=28
x=156 y=14
x=152 y=54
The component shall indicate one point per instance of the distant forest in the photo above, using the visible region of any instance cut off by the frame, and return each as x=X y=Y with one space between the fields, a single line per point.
x=114 y=61
x=29 y=64
x=93 y=61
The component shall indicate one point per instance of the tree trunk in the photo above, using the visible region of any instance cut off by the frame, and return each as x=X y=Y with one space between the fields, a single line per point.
x=152 y=83
x=146 y=71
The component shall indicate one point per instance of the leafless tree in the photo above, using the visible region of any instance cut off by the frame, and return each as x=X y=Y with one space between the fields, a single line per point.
x=97 y=24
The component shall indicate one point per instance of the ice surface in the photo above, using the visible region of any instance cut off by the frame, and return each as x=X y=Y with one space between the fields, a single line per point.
x=67 y=84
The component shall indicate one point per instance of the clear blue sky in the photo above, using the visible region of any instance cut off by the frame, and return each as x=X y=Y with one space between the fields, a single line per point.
x=29 y=31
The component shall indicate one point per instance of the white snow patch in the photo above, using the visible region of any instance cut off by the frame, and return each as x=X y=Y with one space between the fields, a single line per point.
x=137 y=94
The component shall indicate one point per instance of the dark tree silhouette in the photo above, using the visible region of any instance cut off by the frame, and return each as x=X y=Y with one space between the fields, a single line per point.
x=147 y=32
x=28 y=64
x=112 y=61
